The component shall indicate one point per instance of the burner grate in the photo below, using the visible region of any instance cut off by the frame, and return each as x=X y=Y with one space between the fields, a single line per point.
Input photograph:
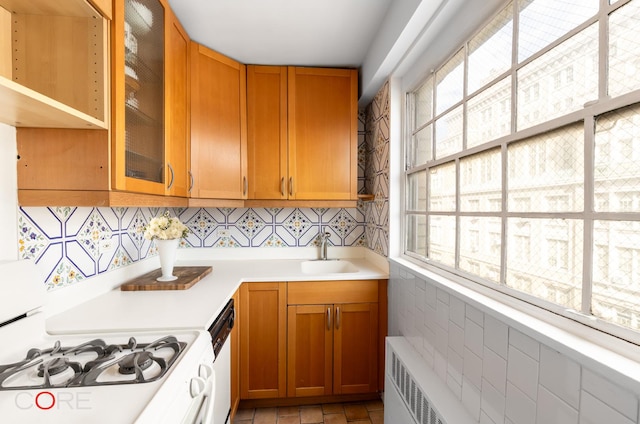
x=84 y=364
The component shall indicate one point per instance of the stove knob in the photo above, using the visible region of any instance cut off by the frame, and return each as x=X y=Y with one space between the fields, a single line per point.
x=197 y=386
x=205 y=371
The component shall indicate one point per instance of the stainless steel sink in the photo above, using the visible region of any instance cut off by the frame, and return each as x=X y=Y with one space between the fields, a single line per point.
x=331 y=266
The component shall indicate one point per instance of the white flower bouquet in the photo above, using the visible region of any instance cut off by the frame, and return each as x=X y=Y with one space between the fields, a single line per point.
x=165 y=227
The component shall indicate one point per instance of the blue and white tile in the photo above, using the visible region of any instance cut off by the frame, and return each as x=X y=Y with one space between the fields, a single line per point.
x=63 y=275
x=273 y=241
x=31 y=240
x=46 y=220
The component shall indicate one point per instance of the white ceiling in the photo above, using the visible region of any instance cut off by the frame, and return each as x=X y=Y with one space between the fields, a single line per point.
x=379 y=37
x=331 y=33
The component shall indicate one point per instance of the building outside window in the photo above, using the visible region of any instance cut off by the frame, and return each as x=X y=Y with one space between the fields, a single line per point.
x=507 y=196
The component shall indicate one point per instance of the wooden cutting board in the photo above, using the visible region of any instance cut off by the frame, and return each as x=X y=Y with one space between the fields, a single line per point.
x=187 y=277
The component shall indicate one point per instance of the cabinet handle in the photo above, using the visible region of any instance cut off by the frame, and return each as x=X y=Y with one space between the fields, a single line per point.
x=245 y=186
x=282 y=186
x=190 y=181
x=337 y=317
x=171 y=172
x=328 y=318
x=290 y=186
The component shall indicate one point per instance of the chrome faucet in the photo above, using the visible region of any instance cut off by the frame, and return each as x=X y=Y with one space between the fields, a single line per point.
x=324 y=241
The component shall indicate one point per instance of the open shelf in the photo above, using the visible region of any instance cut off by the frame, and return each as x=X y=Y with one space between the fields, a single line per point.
x=44 y=83
x=23 y=107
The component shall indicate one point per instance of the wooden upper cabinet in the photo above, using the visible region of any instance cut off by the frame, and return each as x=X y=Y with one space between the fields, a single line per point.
x=139 y=141
x=218 y=126
x=323 y=133
x=144 y=157
x=177 y=107
x=267 y=131
x=302 y=131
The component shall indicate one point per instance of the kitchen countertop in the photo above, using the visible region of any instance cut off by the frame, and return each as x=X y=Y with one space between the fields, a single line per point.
x=194 y=308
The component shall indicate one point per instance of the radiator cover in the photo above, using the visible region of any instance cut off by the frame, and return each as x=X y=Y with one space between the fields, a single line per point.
x=414 y=393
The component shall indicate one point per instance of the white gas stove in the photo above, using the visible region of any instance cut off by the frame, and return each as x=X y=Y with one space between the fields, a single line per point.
x=125 y=377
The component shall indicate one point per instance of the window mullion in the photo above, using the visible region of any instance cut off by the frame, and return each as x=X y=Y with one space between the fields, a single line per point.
x=589 y=189
x=603 y=50
x=503 y=216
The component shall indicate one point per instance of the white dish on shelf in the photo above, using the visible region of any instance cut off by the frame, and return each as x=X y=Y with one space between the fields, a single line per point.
x=128 y=70
x=144 y=14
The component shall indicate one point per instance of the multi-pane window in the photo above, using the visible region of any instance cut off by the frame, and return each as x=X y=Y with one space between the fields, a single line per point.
x=540 y=198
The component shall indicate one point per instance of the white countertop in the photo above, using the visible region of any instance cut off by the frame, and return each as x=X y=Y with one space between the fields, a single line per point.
x=194 y=308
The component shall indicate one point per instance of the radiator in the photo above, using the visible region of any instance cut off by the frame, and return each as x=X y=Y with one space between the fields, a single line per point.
x=414 y=393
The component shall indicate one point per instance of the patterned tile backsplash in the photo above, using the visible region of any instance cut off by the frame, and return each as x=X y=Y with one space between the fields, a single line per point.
x=78 y=243
x=376 y=146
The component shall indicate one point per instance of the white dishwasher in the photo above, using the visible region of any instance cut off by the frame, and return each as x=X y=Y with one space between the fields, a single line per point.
x=220 y=331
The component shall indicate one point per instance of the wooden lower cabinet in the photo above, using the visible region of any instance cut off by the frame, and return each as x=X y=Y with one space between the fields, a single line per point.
x=263 y=335
x=310 y=349
x=332 y=349
x=332 y=339
x=355 y=348
x=312 y=339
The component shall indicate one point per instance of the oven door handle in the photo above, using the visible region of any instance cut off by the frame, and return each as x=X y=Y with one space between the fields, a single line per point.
x=202 y=389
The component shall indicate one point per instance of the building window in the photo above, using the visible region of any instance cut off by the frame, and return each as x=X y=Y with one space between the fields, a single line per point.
x=510 y=193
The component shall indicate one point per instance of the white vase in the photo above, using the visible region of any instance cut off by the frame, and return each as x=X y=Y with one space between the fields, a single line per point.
x=167 y=254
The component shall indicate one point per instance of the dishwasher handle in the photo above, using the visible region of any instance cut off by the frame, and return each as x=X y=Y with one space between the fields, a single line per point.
x=221 y=327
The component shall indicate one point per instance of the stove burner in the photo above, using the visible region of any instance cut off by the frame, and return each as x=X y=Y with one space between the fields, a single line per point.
x=129 y=363
x=53 y=367
x=90 y=360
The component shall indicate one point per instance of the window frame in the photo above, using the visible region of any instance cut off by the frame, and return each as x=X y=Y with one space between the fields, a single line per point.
x=586 y=116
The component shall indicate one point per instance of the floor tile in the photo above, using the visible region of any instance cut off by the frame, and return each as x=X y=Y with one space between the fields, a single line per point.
x=335 y=419
x=265 y=416
x=332 y=408
x=244 y=414
x=374 y=405
x=290 y=419
x=369 y=412
x=286 y=411
x=356 y=411
x=376 y=417
x=310 y=414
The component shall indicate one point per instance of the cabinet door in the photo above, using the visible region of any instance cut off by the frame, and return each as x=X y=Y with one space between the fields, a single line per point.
x=355 y=351
x=138 y=100
x=263 y=340
x=177 y=107
x=218 y=125
x=267 y=131
x=309 y=350
x=322 y=128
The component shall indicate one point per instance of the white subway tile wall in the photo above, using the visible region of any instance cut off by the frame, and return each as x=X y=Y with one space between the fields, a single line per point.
x=500 y=374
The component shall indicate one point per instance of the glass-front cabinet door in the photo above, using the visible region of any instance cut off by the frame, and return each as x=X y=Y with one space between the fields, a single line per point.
x=138 y=101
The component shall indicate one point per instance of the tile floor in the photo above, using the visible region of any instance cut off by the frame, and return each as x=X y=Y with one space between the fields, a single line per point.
x=332 y=413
